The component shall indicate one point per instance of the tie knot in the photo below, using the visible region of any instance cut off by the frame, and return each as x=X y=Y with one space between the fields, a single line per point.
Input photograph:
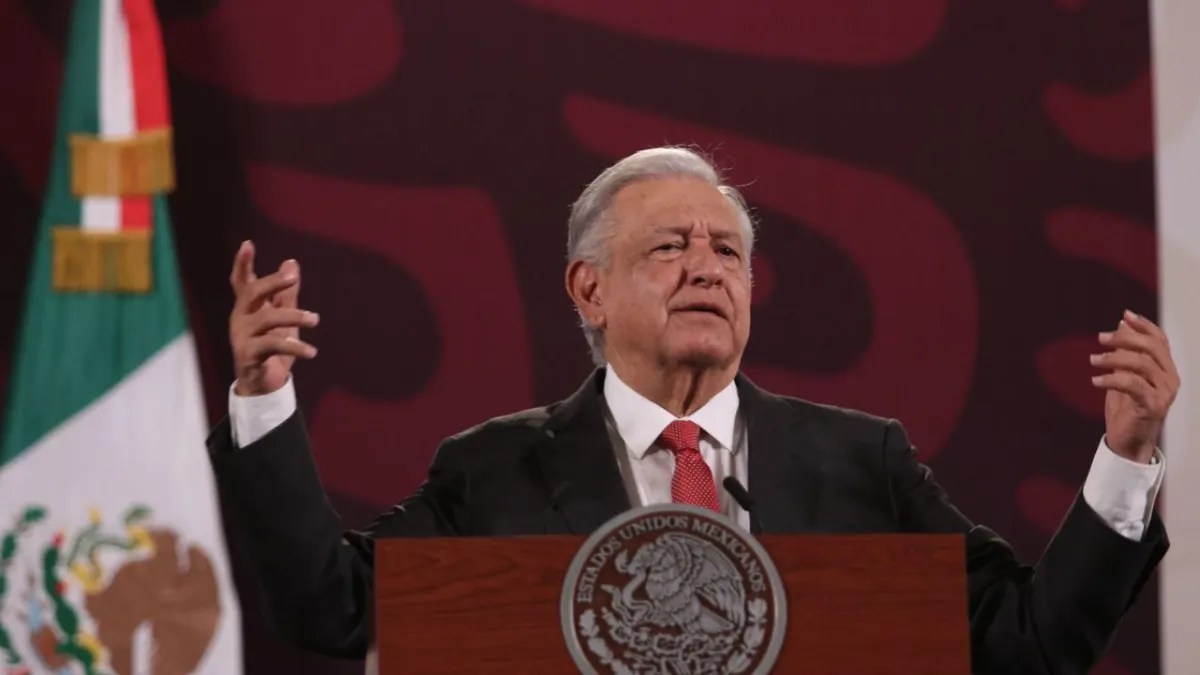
x=681 y=435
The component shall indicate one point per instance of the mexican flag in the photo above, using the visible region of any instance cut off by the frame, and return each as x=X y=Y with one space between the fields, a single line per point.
x=112 y=558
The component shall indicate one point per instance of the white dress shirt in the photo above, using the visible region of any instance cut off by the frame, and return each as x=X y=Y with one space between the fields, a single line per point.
x=635 y=423
x=1120 y=491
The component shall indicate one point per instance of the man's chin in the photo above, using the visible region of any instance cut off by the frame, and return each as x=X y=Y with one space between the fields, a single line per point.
x=704 y=356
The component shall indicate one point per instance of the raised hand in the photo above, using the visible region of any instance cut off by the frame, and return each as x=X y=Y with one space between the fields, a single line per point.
x=1141 y=386
x=264 y=326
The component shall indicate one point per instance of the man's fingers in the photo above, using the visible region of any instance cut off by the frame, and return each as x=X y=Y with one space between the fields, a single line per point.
x=243 y=266
x=270 y=318
x=252 y=296
x=1143 y=325
x=261 y=348
x=1159 y=345
x=1134 y=362
x=1126 y=382
x=1146 y=326
x=1125 y=337
x=289 y=296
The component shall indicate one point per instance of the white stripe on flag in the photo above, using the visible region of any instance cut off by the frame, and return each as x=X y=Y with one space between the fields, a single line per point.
x=116 y=105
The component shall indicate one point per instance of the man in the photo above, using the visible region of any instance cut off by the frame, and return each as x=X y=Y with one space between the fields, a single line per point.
x=659 y=270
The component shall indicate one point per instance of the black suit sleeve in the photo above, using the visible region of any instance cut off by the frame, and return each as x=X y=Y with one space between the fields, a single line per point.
x=317 y=579
x=1057 y=617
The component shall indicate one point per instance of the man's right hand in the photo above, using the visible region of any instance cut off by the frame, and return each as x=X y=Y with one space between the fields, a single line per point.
x=264 y=326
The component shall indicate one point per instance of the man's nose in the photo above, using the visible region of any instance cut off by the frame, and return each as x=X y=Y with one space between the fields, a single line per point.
x=704 y=267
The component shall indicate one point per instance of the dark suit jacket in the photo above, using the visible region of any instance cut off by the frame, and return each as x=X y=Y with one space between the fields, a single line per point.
x=812 y=468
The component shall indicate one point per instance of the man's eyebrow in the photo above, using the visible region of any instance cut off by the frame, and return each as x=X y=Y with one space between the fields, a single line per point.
x=671 y=228
x=725 y=236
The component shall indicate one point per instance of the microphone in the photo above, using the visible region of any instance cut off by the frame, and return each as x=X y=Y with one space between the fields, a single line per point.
x=742 y=496
x=556 y=513
x=557 y=493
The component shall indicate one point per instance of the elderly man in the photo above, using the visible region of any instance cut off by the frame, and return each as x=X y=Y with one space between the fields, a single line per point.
x=659 y=269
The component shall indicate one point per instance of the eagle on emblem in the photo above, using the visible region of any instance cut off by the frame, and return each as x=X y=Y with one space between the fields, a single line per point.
x=686 y=582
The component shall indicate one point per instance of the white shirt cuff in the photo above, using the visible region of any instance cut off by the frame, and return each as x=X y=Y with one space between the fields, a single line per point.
x=1122 y=492
x=252 y=417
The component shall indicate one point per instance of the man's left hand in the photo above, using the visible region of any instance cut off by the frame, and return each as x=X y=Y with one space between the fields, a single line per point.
x=1141 y=386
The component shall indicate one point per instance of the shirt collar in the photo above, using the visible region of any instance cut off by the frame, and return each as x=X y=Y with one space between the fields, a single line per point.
x=640 y=421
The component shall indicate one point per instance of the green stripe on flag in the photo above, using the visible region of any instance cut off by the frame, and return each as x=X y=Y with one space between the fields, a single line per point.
x=73 y=347
x=78 y=112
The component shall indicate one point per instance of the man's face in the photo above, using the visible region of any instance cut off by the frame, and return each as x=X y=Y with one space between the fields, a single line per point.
x=677 y=288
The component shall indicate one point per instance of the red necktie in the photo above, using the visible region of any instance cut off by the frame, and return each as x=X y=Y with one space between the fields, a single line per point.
x=693 y=481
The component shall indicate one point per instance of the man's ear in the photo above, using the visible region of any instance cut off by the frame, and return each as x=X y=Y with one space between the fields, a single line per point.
x=584 y=285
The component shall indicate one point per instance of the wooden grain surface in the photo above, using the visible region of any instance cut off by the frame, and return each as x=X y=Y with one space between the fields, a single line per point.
x=857 y=604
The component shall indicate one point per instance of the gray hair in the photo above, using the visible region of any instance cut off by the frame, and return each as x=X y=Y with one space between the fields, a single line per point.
x=589 y=230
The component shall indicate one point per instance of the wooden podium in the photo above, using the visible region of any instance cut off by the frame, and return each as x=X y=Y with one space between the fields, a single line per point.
x=858 y=604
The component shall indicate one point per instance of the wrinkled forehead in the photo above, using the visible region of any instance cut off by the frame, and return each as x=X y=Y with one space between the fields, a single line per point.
x=649 y=206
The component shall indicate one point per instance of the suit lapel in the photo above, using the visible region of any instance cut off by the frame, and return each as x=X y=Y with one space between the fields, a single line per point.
x=577 y=460
x=585 y=484
x=783 y=476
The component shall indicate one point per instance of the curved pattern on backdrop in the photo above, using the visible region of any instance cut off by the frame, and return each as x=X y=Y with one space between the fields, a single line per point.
x=477 y=316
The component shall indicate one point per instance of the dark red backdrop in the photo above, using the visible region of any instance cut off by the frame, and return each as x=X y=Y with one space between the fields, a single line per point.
x=954 y=197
